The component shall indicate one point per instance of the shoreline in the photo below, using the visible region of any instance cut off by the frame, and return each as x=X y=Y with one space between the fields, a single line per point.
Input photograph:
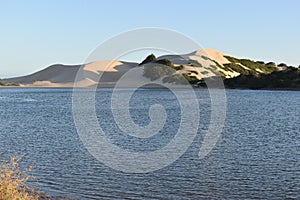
x=196 y=88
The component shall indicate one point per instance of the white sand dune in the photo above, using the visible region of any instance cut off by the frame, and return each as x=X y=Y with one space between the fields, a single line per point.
x=111 y=71
x=55 y=74
x=216 y=56
x=213 y=54
x=200 y=57
x=65 y=75
x=102 y=65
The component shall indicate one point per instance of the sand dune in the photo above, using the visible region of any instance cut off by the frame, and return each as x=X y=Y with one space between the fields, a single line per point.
x=55 y=74
x=199 y=56
x=111 y=71
x=213 y=54
x=102 y=65
x=65 y=75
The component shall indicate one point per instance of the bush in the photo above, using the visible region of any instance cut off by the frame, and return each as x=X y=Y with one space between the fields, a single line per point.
x=253 y=66
x=13 y=181
x=165 y=62
x=9 y=84
x=158 y=71
x=175 y=78
x=181 y=79
x=271 y=64
x=195 y=72
x=282 y=65
x=237 y=68
x=232 y=59
x=289 y=78
x=190 y=79
x=150 y=58
x=180 y=67
x=260 y=62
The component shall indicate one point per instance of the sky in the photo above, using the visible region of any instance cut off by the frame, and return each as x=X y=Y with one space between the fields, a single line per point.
x=35 y=34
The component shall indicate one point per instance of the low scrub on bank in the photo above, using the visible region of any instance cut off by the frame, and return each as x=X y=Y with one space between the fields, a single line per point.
x=13 y=181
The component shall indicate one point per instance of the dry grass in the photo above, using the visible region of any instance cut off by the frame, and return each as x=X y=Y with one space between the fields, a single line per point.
x=13 y=181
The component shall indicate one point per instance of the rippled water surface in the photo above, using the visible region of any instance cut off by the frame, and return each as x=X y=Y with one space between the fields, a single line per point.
x=258 y=155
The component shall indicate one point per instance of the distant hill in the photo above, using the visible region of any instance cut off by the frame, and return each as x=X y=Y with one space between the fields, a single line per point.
x=191 y=68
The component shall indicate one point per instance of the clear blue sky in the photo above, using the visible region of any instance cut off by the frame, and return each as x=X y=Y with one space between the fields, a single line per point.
x=35 y=34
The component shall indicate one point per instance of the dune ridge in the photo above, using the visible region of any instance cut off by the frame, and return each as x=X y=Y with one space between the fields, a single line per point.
x=199 y=64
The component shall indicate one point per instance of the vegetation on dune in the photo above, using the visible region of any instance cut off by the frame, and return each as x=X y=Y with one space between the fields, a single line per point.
x=253 y=74
x=13 y=181
x=175 y=78
x=205 y=58
x=166 y=69
x=181 y=79
x=165 y=62
x=253 y=68
x=289 y=78
x=152 y=59
x=238 y=68
x=9 y=84
x=149 y=59
x=271 y=66
x=244 y=66
x=214 y=68
x=193 y=71
x=260 y=62
x=157 y=71
x=180 y=67
x=190 y=78
x=282 y=65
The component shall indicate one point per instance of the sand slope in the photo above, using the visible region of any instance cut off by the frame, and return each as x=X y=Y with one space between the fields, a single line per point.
x=201 y=64
x=65 y=75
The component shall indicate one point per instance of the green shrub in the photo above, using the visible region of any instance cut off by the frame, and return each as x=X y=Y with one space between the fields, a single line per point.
x=260 y=62
x=238 y=68
x=158 y=71
x=232 y=59
x=175 y=78
x=178 y=67
x=150 y=58
x=195 y=72
x=165 y=62
x=270 y=64
x=181 y=79
x=9 y=84
x=282 y=65
x=252 y=65
x=190 y=79
x=213 y=67
x=289 y=78
x=205 y=58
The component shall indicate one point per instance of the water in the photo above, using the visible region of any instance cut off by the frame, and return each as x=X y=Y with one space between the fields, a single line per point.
x=257 y=157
